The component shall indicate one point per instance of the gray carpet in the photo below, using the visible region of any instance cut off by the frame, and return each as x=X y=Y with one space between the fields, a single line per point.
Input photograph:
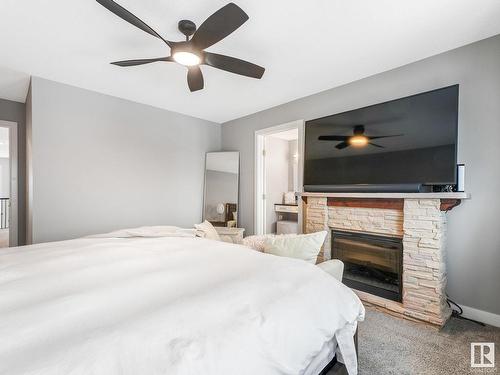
x=389 y=345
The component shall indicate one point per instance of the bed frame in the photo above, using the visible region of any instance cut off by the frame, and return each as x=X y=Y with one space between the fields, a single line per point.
x=335 y=367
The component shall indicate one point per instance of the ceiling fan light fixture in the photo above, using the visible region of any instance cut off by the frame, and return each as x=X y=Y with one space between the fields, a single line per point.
x=187 y=58
x=358 y=141
x=191 y=52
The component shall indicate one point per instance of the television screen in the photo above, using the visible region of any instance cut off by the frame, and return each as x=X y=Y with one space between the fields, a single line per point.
x=412 y=140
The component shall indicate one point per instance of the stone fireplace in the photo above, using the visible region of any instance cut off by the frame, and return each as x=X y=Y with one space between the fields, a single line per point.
x=418 y=219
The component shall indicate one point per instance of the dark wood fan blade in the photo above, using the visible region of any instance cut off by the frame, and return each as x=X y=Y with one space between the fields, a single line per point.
x=130 y=18
x=195 y=78
x=376 y=145
x=234 y=65
x=385 y=136
x=342 y=145
x=126 y=63
x=219 y=25
x=333 y=138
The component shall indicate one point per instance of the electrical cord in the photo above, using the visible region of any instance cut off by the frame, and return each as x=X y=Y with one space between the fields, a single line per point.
x=457 y=313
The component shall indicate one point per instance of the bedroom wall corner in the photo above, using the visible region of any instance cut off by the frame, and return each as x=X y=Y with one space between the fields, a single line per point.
x=29 y=170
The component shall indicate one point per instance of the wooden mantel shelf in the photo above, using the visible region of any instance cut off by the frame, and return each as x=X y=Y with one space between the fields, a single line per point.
x=389 y=195
x=386 y=200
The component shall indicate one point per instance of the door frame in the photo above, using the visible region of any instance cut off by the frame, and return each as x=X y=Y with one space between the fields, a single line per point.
x=260 y=170
x=13 y=199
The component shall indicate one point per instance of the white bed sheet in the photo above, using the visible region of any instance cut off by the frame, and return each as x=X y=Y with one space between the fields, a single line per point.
x=323 y=358
x=167 y=306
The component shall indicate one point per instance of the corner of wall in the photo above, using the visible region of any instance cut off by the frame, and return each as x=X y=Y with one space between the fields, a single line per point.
x=29 y=167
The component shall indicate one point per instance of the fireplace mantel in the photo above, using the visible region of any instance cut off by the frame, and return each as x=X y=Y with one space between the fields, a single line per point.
x=459 y=195
x=386 y=200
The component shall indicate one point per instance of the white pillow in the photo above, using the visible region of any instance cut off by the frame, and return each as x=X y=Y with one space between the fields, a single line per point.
x=300 y=246
x=207 y=230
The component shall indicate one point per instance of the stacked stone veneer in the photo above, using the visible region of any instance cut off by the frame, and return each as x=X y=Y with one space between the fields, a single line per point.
x=422 y=225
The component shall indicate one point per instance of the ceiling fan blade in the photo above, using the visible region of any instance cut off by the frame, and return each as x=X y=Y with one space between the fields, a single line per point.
x=333 y=138
x=126 y=63
x=130 y=18
x=342 y=145
x=376 y=145
x=386 y=136
x=219 y=25
x=195 y=78
x=234 y=65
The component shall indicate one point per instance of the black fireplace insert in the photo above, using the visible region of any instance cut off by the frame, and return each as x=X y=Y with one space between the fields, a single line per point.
x=373 y=263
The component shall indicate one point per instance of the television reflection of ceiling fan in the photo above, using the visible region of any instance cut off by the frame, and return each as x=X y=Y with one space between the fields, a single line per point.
x=358 y=139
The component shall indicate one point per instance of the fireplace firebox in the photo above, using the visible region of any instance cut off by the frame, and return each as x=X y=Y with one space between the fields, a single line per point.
x=373 y=263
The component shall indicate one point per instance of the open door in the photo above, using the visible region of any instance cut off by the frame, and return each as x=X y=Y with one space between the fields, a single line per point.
x=278 y=170
x=8 y=184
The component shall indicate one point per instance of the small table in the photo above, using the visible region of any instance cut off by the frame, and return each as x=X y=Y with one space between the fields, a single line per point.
x=287 y=218
x=231 y=235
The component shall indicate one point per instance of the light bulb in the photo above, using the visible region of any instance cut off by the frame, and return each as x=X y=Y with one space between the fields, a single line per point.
x=358 y=141
x=187 y=58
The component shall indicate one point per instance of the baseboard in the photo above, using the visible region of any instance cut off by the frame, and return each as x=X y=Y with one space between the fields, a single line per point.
x=481 y=316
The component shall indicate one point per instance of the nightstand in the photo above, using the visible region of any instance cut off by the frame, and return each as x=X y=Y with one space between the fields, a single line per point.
x=231 y=235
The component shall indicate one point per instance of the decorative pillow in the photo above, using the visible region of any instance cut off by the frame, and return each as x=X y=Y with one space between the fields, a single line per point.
x=256 y=242
x=207 y=230
x=300 y=246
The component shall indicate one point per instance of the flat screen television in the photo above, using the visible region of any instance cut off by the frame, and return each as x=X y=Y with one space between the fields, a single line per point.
x=400 y=145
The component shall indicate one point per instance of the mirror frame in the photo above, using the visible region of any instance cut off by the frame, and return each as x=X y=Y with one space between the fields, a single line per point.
x=203 y=218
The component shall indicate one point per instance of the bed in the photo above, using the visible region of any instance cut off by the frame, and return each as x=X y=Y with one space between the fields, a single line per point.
x=169 y=305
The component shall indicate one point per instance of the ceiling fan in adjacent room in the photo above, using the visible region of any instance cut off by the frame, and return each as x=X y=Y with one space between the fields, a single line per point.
x=358 y=139
x=191 y=52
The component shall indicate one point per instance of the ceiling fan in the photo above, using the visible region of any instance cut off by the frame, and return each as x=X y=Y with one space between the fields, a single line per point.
x=358 y=139
x=191 y=52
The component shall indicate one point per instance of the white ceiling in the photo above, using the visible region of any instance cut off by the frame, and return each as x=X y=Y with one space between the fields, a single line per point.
x=13 y=84
x=306 y=46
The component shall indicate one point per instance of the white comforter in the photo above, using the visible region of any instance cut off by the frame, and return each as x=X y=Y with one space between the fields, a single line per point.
x=166 y=306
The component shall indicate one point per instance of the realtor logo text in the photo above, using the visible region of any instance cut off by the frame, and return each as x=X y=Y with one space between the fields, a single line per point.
x=482 y=354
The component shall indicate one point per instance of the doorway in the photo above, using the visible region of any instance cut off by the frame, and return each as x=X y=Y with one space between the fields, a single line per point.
x=8 y=184
x=278 y=177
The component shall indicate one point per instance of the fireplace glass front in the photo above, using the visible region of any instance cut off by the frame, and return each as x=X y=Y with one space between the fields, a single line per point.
x=373 y=263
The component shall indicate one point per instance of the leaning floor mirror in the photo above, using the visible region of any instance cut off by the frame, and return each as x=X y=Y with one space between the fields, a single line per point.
x=221 y=204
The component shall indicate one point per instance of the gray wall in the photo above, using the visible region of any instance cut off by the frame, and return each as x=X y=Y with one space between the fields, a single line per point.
x=474 y=235
x=29 y=171
x=221 y=187
x=101 y=163
x=15 y=112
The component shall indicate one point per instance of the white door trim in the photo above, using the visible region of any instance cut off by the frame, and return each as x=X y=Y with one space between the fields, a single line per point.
x=260 y=169
x=13 y=206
